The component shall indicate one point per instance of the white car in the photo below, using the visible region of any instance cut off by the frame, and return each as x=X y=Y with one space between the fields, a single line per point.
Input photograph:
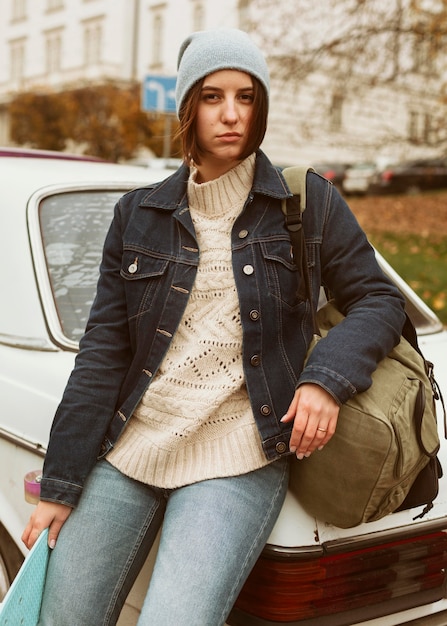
x=358 y=178
x=54 y=216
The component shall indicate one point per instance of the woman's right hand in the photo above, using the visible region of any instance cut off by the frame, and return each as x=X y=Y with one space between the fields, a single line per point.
x=46 y=515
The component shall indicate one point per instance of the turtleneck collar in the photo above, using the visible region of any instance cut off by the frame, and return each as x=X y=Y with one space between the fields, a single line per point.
x=223 y=193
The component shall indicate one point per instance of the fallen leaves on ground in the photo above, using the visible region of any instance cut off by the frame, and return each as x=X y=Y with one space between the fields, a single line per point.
x=422 y=214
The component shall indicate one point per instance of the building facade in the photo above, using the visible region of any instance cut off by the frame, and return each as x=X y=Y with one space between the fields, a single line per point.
x=50 y=45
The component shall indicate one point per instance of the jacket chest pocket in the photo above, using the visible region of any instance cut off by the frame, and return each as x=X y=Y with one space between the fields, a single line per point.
x=143 y=276
x=283 y=278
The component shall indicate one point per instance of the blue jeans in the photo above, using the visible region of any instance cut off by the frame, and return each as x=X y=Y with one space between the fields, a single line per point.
x=213 y=532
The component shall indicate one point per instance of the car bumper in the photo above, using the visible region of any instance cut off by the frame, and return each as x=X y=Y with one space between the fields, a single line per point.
x=434 y=614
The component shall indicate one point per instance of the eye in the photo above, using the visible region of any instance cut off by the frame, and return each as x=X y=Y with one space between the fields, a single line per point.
x=246 y=98
x=210 y=97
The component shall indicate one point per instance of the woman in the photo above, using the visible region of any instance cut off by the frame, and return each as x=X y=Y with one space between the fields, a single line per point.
x=189 y=392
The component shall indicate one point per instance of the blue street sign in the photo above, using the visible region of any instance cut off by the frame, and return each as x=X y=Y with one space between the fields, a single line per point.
x=159 y=94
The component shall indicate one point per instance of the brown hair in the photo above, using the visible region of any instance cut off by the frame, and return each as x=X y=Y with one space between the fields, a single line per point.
x=188 y=113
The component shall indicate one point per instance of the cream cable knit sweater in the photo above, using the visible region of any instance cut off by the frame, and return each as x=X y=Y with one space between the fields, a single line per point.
x=195 y=421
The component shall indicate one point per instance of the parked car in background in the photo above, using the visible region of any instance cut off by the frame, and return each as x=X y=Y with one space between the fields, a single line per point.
x=54 y=217
x=358 y=177
x=411 y=177
x=155 y=163
x=335 y=172
x=31 y=153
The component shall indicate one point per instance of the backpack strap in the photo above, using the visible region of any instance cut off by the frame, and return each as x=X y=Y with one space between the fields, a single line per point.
x=296 y=181
x=293 y=209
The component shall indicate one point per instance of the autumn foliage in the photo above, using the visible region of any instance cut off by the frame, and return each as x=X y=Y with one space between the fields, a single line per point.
x=104 y=120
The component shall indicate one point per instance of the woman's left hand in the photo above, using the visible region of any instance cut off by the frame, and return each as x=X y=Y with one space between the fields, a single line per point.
x=315 y=414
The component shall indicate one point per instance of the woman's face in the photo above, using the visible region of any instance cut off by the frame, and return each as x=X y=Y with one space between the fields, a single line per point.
x=223 y=121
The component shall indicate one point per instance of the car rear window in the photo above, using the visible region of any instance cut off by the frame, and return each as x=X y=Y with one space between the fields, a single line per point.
x=73 y=227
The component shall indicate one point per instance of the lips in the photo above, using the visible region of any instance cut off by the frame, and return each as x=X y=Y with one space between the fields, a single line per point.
x=229 y=137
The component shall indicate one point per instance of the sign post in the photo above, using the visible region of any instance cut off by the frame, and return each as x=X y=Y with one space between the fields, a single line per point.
x=158 y=95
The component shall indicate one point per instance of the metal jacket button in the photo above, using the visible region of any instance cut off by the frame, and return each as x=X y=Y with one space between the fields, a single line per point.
x=265 y=409
x=281 y=447
x=132 y=268
x=248 y=269
x=254 y=315
x=255 y=360
x=243 y=233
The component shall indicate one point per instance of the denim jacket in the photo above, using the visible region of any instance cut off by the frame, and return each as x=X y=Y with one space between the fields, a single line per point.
x=149 y=264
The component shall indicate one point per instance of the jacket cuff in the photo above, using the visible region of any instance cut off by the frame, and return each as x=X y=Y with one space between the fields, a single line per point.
x=336 y=385
x=60 y=491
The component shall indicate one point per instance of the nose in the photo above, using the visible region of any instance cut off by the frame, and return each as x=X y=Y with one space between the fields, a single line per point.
x=230 y=112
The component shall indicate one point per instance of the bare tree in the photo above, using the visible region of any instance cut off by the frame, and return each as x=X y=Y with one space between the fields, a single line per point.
x=356 y=46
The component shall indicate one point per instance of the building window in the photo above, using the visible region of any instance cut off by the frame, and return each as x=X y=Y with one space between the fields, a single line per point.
x=54 y=5
x=336 y=113
x=18 y=10
x=198 y=17
x=53 y=51
x=424 y=53
x=17 y=59
x=92 y=42
x=243 y=9
x=413 y=127
x=428 y=128
x=157 y=38
x=421 y=128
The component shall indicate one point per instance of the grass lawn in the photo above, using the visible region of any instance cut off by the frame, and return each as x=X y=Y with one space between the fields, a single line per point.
x=421 y=263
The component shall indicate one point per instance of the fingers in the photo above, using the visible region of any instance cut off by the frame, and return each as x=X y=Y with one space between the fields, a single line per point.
x=315 y=414
x=46 y=515
x=55 y=529
x=310 y=439
x=30 y=535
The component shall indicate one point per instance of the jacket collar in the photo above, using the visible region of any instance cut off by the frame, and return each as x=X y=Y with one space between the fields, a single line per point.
x=171 y=193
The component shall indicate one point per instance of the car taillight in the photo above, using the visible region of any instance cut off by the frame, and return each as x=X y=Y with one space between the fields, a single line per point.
x=330 y=175
x=292 y=589
x=387 y=175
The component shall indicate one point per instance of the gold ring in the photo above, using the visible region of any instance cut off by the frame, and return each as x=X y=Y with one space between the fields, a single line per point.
x=323 y=430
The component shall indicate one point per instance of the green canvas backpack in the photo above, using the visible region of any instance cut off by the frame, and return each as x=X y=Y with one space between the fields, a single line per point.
x=383 y=455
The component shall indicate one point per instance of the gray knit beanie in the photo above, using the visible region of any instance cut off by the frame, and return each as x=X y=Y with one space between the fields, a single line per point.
x=205 y=52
